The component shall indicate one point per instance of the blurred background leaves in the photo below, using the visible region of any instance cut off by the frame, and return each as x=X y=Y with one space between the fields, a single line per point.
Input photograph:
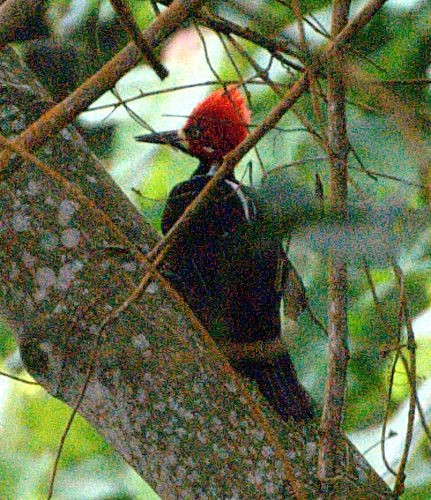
x=389 y=132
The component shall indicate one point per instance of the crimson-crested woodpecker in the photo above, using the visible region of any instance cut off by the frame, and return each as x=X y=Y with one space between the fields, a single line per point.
x=227 y=267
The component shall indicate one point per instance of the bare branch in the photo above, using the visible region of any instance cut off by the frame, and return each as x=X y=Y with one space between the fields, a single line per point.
x=18 y=379
x=332 y=458
x=123 y=11
x=362 y=18
x=63 y=113
x=411 y=370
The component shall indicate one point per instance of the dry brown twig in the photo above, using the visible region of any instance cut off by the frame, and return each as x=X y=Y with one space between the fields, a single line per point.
x=411 y=349
x=410 y=369
x=332 y=459
x=129 y=23
x=18 y=379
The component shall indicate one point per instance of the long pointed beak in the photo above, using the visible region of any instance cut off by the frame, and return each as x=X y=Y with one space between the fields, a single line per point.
x=169 y=137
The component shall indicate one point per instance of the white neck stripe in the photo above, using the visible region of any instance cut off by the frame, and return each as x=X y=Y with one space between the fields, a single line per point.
x=212 y=171
x=236 y=187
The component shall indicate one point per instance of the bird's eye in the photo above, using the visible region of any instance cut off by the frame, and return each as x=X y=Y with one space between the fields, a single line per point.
x=193 y=132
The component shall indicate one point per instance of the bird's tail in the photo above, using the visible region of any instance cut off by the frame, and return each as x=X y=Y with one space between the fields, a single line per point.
x=278 y=382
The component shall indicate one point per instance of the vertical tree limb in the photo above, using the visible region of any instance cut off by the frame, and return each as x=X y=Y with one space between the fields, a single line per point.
x=129 y=23
x=332 y=450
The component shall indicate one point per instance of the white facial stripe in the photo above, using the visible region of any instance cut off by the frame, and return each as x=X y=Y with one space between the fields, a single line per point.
x=244 y=202
x=182 y=135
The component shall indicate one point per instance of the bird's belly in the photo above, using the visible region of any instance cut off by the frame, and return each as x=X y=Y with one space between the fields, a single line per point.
x=229 y=287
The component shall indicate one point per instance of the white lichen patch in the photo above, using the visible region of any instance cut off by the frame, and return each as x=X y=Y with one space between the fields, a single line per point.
x=267 y=451
x=98 y=394
x=161 y=407
x=21 y=222
x=67 y=273
x=16 y=204
x=59 y=309
x=181 y=432
x=233 y=418
x=255 y=477
x=33 y=188
x=70 y=237
x=14 y=271
x=152 y=288
x=91 y=179
x=45 y=277
x=66 y=211
x=49 y=241
x=142 y=397
x=28 y=259
x=140 y=342
x=106 y=264
x=49 y=200
x=311 y=450
x=129 y=267
x=107 y=308
x=202 y=438
x=66 y=134
x=231 y=387
x=216 y=421
x=29 y=304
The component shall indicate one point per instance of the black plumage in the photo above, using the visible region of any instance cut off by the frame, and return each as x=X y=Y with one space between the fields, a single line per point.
x=231 y=271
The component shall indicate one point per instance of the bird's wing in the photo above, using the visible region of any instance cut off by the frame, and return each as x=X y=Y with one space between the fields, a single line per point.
x=292 y=288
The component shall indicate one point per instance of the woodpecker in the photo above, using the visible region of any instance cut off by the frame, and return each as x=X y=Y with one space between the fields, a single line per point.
x=226 y=266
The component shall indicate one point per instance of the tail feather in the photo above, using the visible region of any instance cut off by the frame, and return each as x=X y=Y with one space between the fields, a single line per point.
x=278 y=382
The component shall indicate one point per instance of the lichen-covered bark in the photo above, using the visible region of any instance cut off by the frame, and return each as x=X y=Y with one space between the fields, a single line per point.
x=160 y=393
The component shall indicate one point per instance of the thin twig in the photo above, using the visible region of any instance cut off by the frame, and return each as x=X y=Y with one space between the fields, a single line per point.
x=354 y=26
x=250 y=81
x=264 y=75
x=129 y=23
x=295 y=163
x=18 y=379
x=72 y=416
x=411 y=348
x=410 y=372
x=381 y=312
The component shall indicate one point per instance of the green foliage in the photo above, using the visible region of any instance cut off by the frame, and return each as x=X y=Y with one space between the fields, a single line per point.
x=7 y=344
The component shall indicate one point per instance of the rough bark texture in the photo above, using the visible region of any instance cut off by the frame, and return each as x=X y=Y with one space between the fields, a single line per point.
x=160 y=392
